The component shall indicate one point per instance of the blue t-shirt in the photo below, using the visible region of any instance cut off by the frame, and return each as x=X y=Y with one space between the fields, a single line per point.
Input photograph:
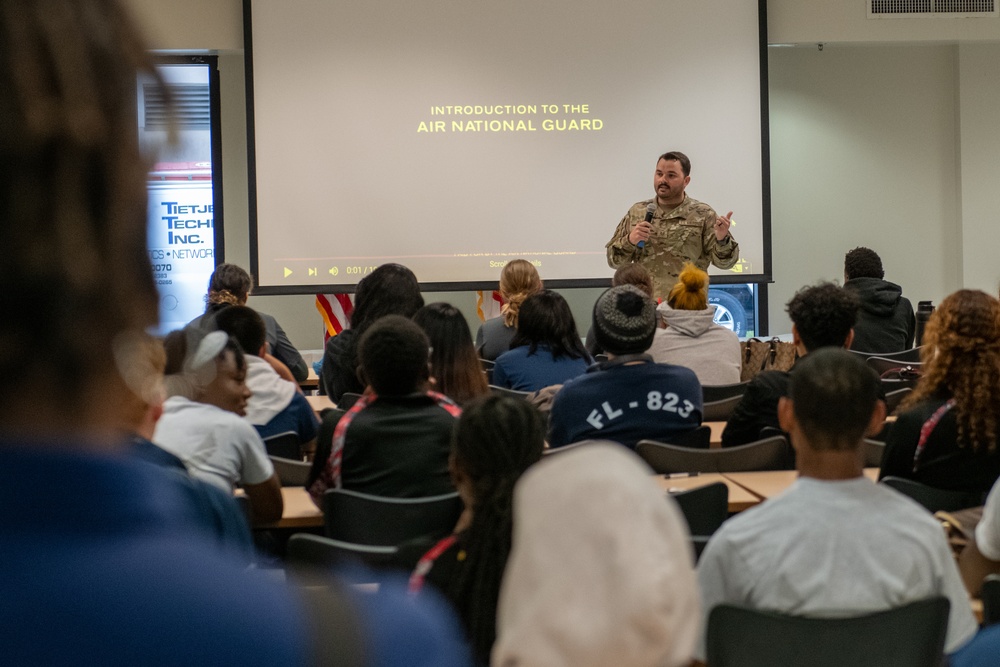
x=626 y=404
x=298 y=417
x=101 y=566
x=519 y=370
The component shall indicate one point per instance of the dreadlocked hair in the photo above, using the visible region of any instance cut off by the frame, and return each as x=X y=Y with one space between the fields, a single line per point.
x=73 y=261
x=961 y=360
x=496 y=440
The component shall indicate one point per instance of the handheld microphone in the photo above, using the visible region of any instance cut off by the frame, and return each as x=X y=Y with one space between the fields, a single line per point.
x=650 y=210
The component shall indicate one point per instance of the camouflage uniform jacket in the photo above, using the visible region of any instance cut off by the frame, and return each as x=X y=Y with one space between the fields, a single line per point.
x=685 y=234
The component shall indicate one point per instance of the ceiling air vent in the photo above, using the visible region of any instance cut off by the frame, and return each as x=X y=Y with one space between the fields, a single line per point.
x=191 y=107
x=883 y=9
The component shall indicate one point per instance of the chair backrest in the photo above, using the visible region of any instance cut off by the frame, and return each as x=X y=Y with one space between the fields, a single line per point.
x=286 y=445
x=487 y=364
x=911 y=635
x=990 y=595
x=315 y=552
x=882 y=364
x=699 y=437
x=772 y=453
x=894 y=398
x=712 y=393
x=934 y=500
x=348 y=400
x=909 y=356
x=504 y=391
x=873 y=452
x=721 y=410
x=291 y=472
x=360 y=518
x=704 y=508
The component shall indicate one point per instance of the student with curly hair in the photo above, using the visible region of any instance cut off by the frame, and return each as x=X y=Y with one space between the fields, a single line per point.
x=547 y=348
x=455 y=366
x=497 y=439
x=946 y=433
x=391 y=289
x=518 y=280
x=822 y=315
x=691 y=337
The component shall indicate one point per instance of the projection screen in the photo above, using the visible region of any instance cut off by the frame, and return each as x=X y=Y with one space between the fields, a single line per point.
x=454 y=135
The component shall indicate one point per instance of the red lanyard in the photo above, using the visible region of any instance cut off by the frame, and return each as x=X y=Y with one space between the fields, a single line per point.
x=425 y=564
x=928 y=427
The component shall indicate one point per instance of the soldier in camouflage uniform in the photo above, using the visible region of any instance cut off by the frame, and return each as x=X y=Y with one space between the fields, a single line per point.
x=682 y=230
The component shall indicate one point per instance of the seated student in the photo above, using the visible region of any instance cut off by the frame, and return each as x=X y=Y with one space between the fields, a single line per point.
x=391 y=289
x=394 y=441
x=629 y=397
x=100 y=562
x=275 y=405
x=214 y=511
x=230 y=286
x=822 y=316
x=628 y=274
x=547 y=348
x=496 y=439
x=518 y=280
x=885 y=321
x=600 y=569
x=948 y=427
x=691 y=338
x=834 y=543
x=201 y=423
x=455 y=367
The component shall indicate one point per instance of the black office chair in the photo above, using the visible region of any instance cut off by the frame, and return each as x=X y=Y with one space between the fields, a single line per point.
x=894 y=398
x=934 y=500
x=290 y=472
x=315 y=552
x=909 y=356
x=504 y=391
x=721 y=410
x=883 y=365
x=718 y=392
x=990 y=595
x=363 y=519
x=912 y=635
x=704 y=508
x=772 y=453
x=873 y=452
x=286 y=445
x=699 y=437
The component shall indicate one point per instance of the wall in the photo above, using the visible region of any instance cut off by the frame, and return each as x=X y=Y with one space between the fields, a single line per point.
x=885 y=138
x=864 y=152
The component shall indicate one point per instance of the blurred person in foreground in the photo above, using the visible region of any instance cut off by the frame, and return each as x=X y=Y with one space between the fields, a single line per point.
x=600 y=569
x=94 y=541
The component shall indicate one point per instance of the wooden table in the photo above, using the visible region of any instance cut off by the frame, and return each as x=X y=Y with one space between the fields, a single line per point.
x=766 y=484
x=715 y=441
x=739 y=498
x=311 y=383
x=320 y=403
x=299 y=512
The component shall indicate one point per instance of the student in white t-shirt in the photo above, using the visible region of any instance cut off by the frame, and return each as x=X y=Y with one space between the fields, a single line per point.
x=202 y=424
x=834 y=544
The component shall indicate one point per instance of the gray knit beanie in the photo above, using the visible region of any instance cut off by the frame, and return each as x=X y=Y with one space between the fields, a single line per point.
x=624 y=320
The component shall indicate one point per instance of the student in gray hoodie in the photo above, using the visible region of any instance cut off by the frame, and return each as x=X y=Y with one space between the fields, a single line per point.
x=690 y=336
